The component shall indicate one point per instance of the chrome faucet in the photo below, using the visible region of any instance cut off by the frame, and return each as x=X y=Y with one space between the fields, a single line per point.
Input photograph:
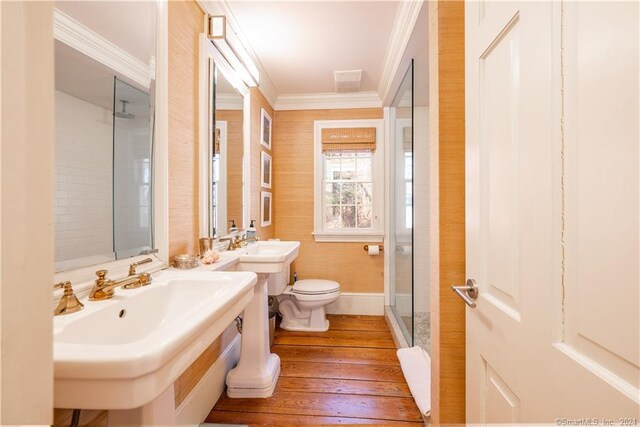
x=69 y=302
x=103 y=287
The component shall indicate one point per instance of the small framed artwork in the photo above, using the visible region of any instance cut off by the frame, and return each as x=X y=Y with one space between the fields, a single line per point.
x=265 y=130
x=265 y=169
x=265 y=208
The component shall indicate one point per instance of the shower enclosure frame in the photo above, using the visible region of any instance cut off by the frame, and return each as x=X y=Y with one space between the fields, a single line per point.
x=404 y=320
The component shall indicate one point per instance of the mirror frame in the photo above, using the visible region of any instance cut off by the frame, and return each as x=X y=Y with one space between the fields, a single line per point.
x=209 y=54
x=83 y=278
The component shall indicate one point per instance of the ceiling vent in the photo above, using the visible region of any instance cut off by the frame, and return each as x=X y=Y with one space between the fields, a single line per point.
x=347 y=81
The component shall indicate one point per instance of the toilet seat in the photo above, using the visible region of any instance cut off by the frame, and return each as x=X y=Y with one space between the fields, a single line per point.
x=298 y=296
x=315 y=287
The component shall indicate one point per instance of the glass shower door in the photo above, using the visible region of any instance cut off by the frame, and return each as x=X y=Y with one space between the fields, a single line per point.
x=132 y=169
x=402 y=280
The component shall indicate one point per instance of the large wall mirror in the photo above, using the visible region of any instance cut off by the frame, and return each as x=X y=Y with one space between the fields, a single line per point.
x=104 y=102
x=227 y=156
x=222 y=146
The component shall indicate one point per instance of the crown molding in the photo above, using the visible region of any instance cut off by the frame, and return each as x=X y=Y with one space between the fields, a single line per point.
x=83 y=39
x=326 y=101
x=152 y=67
x=220 y=7
x=404 y=24
x=229 y=101
x=402 y=29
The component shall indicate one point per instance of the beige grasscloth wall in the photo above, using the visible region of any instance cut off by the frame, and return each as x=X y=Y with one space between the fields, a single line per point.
x=258 y=102
x=447 y=239
x=186 y=21
x=234 y=161
x=346 y=263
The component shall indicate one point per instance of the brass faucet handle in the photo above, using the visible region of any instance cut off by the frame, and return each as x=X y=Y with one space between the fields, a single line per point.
x=102 y=274
x=66 y=285
x=61 y=285
x=132 y=267
x=69 y=302
x=143 y=279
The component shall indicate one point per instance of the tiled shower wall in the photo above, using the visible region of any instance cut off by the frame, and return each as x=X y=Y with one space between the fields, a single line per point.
x=132 y=186
x=83 y=188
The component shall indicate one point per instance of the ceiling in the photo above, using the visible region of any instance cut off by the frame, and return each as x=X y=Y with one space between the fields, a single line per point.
x=301 y=43
x=130 y=25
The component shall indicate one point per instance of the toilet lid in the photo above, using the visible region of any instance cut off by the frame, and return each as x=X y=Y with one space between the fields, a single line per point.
x=315 y=286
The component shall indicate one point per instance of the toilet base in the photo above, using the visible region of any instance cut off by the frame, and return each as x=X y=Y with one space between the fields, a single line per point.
x=305 y=315
x=302 y=325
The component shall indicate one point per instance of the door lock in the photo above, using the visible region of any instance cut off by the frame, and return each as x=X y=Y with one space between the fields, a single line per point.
x=468 y=292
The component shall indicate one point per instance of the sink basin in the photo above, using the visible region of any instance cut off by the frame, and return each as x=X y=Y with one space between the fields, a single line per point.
x=268 y=256
x=125 y=352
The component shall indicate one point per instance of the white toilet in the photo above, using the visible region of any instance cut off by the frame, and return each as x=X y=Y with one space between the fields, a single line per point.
x=302 y=305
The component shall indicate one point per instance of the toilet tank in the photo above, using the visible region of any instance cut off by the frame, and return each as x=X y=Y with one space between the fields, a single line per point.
x=277 y=282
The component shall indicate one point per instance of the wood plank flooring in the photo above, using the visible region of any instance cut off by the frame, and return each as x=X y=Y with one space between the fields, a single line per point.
x=348 y=375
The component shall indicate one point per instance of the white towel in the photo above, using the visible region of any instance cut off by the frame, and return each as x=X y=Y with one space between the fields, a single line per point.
x=416 y=367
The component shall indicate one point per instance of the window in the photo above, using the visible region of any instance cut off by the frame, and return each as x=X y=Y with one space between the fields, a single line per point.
x=408 y=183
x=349 y=193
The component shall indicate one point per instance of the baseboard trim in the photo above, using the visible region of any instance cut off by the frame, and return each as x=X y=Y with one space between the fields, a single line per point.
x=196 y=406
x=358 y=303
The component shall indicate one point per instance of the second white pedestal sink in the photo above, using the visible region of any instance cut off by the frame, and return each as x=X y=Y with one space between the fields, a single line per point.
x=258 y=369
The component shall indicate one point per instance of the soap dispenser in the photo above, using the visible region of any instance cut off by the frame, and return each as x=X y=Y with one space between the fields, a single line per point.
x=251 y=231
x=233 y=227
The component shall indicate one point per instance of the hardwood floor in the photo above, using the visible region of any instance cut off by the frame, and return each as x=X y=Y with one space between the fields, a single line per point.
x=348 y=375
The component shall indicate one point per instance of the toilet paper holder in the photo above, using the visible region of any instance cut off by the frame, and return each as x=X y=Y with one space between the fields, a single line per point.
x=366 y=248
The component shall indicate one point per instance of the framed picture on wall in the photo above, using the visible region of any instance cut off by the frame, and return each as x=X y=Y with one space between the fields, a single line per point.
x=265 y=208
x=265 y=169
x=265 y=130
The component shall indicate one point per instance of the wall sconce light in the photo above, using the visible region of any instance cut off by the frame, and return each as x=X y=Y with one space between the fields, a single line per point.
x=228 y=43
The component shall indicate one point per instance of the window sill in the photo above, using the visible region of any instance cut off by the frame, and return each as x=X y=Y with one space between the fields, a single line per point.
x=346 y=237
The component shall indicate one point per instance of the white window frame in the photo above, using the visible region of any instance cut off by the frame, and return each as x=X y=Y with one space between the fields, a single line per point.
x=401 y=219
x=376 y=233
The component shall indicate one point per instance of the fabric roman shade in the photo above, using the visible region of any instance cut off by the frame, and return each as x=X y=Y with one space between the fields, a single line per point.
x=217 y=142
x=407 y=138
x=348 y=139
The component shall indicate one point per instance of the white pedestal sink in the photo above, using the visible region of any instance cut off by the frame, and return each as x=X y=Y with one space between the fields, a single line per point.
x=124 y=354
x=258 y=369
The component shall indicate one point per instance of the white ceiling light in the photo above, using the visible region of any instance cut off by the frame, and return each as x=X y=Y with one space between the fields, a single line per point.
x=226 y=40
x=347 y=81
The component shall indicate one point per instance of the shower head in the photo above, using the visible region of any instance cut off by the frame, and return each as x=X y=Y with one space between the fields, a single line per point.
x=123 y=114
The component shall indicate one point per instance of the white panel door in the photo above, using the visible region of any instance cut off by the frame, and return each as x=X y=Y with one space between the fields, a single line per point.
x=552 y=211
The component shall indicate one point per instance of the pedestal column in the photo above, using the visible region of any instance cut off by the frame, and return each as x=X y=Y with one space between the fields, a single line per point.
x=258 y=369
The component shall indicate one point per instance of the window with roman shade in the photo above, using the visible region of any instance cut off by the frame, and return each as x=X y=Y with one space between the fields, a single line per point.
x=349 y=192
x=217 y=141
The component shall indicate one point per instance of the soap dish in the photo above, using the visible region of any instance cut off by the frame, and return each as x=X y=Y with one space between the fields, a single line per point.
x=185 y=261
